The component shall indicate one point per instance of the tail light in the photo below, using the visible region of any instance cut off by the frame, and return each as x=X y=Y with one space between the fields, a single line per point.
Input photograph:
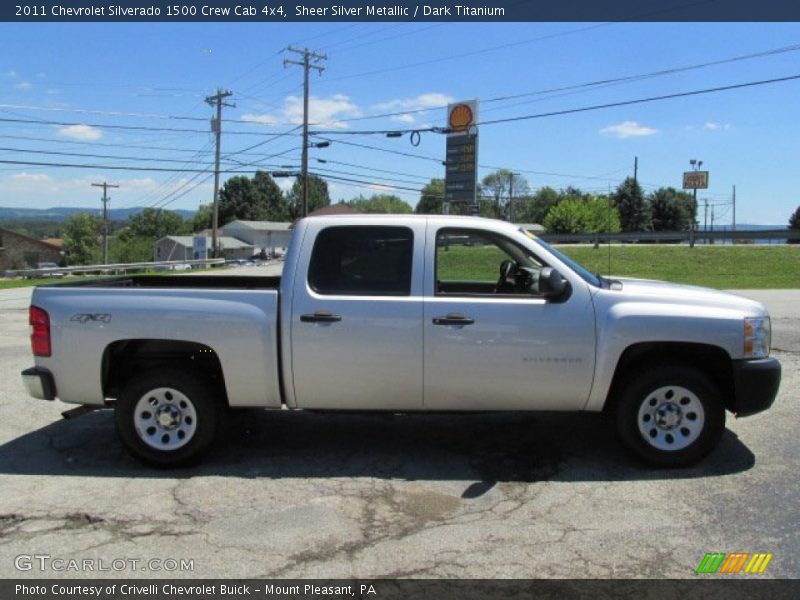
x=40 y=331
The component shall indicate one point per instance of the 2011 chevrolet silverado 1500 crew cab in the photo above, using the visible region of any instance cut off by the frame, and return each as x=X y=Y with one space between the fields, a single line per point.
x=403 y=313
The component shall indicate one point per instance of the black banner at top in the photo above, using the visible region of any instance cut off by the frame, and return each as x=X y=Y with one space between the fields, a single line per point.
x=398 y=10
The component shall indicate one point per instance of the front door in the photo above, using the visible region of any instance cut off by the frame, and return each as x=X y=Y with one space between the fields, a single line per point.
x=490 y=345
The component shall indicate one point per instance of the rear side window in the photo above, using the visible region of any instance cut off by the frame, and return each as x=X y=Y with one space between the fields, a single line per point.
x=362 y=261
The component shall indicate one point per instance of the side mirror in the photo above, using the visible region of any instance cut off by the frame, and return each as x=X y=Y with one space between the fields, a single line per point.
x=551 y=283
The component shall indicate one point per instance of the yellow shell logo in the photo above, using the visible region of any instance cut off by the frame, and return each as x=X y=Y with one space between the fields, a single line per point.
x=460 y=117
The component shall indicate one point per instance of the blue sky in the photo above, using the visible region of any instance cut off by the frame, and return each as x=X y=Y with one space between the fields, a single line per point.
x=133 y=75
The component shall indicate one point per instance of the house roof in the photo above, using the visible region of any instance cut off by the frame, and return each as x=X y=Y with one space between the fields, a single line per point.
x=50 y=243
x=228 y=242
x=258 y=225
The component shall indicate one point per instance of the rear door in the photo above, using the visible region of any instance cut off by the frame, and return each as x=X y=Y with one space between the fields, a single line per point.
x=356 y=328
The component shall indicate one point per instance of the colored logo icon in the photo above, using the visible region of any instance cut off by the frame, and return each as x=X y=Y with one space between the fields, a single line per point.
x=734 y=563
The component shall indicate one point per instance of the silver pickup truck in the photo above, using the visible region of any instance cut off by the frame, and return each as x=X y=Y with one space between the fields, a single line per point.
x=403 y=313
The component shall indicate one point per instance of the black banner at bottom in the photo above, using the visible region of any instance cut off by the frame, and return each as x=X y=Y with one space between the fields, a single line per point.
x=391 y=589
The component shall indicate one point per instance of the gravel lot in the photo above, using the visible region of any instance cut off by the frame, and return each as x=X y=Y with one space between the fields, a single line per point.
x=297 y=495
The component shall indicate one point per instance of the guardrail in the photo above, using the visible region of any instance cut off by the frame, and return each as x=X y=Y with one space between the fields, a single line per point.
x=670 y=236
x=114 y=268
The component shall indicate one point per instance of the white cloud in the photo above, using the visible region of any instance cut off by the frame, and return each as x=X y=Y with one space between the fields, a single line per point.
x=628 y=129
x=713 y=126
x=23 y=85
x=380 y=188
x=10 y=74
x=81 y=132
x=431 y=100
x=322 y=112
x=31 y=177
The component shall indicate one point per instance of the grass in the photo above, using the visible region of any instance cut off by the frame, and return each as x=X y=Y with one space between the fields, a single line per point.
x=716 y=266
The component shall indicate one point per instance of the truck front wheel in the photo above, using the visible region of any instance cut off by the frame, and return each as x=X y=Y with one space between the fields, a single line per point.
x=670 y=415
x=166 y=418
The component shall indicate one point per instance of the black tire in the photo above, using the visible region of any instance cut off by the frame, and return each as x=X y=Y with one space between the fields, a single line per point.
x=193 y=412
x=669 y=415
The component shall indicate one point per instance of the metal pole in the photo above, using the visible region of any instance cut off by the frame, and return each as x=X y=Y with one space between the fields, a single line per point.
x=694 y=220
x=308 y=56
x=734 y=209
x=217 y=101
x=105 y=185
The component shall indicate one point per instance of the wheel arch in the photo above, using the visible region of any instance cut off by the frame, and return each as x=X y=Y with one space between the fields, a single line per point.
x=714 y=361
x=124 y=359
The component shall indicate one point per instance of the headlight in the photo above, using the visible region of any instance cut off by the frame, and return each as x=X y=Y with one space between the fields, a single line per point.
x=757 y=335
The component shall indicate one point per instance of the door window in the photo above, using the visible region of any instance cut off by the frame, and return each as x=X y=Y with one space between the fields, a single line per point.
x=362 y=261
x=469 y=262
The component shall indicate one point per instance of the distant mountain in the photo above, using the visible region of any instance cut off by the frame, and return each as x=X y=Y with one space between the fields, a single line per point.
x=60 y=213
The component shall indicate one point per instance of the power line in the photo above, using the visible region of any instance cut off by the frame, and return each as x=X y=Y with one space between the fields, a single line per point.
x=643 y=100
x=121 y=167
x=129 y=127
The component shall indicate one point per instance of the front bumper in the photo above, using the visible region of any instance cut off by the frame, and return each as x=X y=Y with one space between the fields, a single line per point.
x=39 y=383
x=755 y=384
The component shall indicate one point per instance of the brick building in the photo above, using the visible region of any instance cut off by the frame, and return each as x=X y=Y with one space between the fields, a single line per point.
x=22 y=252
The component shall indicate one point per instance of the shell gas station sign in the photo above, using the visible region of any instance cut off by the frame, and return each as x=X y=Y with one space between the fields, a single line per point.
x=461 y=164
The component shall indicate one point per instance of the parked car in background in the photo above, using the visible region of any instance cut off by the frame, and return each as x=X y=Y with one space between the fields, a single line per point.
x=52 y=270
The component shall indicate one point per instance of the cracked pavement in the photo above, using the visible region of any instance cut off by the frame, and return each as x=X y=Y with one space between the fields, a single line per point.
x=375 y=496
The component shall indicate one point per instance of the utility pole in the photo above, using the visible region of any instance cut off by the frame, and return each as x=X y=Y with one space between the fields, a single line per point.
x=310 y=61
x=217 y=100
x=105 y=185
x=511 y=197
x=734 y=209
x=705 y=215
x=636 y=169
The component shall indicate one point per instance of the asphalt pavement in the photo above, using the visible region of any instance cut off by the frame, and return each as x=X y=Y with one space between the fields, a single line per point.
x=304 y=495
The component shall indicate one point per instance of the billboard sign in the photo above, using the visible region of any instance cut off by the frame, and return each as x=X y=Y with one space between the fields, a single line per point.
x=199 y=247
x=695 y=180
x=461 y=159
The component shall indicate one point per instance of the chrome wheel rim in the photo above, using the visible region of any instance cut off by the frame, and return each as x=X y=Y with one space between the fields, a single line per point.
x=671 y=418
x=165 y=419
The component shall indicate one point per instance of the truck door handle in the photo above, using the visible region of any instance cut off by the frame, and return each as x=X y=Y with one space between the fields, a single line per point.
x=453 y=319
x=320 y=316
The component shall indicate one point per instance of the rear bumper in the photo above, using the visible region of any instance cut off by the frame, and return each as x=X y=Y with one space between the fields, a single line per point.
x=39 y=383
x=755 y=384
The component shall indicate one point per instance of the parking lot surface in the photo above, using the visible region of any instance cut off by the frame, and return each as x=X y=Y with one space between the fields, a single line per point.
x=308 y=495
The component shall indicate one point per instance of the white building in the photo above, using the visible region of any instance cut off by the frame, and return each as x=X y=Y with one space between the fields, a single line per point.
x=268 y=237
x=181 y=247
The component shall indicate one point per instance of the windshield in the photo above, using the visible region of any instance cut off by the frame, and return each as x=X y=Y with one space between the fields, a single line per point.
x=584 y=273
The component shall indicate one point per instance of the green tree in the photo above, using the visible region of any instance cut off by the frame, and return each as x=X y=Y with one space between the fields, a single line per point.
x=633 y=210
x=130 y=250
x=153 y=224
x=505 y=188
x=589 y=215
x=381 y=203
x=670 y=210
x=82 y=242
x=318 y=195
x=431 y=198
x=794 y=223
x=534 y=209
x=202 y=218
x=256 y=199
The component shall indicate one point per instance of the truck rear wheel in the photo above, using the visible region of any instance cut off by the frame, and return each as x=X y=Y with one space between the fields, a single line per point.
x=166 y=418
x=671 y=415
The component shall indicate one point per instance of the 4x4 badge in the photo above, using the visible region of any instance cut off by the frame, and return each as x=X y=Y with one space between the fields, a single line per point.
x=93 y=317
